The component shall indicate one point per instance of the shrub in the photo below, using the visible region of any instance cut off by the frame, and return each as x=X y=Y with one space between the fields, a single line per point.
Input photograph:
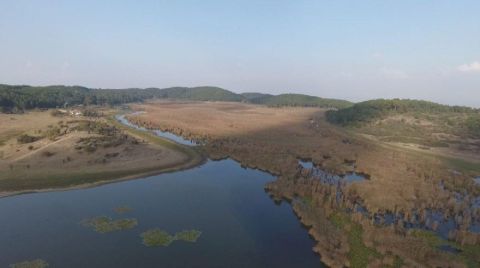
x=53 y=133
x=56 y=113
x=47 y=153
x=25 y=138
x=473 y=125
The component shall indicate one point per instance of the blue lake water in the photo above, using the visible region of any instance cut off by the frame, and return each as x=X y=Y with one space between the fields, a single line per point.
x=241 y=226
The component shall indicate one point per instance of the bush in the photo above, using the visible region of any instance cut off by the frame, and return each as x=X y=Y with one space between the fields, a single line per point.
x=473 y=125
x=53 y=133
x=25 y=138
x=56 y=113
x=47 y=153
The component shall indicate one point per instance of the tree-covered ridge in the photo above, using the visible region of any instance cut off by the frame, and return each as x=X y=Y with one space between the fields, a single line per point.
x=368 y=111
x=14 y=98
x=255 y=96
x=299 y=100
x=206 y=93
x=18 y=98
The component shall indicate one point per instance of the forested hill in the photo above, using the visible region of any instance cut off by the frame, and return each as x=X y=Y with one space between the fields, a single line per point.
x=17 y=98
x=251 y=96
x=200 y=94
x=298 y=100
x=14 y=98
x=371 y=110
x=409 y=118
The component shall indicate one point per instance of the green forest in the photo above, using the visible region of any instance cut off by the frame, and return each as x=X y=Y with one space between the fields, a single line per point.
x=297 y=100
x=18 y=98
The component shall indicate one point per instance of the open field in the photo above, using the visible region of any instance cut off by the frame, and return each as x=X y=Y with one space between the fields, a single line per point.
x=400 y=181
x=41 y=151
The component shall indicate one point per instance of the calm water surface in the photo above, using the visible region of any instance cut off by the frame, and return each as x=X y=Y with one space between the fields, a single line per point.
x=164 y=134
x=241 y=226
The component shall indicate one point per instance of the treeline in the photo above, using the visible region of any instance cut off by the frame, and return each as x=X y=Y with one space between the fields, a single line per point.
x=20 y=98
x=200 y=94
x=296 y=100
x=374 y=109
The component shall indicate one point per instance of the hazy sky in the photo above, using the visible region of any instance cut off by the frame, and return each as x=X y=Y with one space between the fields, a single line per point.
x=355 y=50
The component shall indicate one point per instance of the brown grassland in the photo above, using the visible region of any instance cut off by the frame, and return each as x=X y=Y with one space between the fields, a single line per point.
x=401 y=181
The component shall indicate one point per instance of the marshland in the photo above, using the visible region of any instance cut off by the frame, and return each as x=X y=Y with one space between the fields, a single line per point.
x=338 y=197
x=240 y=134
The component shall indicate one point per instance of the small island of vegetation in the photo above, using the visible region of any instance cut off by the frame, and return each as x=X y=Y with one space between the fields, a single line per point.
x=157 y=237
x=38 y=263
x=105 y=224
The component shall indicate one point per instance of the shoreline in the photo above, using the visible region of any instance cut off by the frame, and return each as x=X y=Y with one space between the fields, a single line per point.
x=185 y=166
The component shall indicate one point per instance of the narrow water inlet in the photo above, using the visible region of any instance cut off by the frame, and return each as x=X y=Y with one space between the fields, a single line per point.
x=331 y=178
x=164 y=134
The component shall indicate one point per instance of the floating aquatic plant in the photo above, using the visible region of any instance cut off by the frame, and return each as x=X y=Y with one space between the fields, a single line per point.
x=38 y=263
x=188 y=235
x=156 y=237
x=122 y=209
x=105 y=224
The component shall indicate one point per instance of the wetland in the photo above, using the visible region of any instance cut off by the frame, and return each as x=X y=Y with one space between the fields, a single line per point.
x=240 y=185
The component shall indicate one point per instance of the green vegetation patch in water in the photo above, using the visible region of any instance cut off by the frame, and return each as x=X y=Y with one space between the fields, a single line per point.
x=105 y=224
x=38 y=263
x=188 y=235
x=122 y=209
x=156 y=237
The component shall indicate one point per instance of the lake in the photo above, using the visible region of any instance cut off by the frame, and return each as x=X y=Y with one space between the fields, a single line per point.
x=241 y=225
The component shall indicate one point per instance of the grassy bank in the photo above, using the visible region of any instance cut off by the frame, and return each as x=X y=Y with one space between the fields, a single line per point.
x=192 y=152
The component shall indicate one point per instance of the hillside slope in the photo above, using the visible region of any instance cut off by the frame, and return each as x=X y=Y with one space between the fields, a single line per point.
x=427 y=124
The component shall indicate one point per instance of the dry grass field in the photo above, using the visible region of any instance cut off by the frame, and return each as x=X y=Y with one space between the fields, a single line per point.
x=273 y=139
x=70 y=151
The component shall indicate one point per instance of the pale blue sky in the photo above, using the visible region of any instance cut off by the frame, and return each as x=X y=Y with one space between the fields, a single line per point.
x=355 y=50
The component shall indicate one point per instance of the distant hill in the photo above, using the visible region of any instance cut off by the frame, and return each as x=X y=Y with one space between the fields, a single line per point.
x=371 y=110
x=298 y=100
x=19 y=97
x=14 y=98
x=205 y=93
x=251 y=96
